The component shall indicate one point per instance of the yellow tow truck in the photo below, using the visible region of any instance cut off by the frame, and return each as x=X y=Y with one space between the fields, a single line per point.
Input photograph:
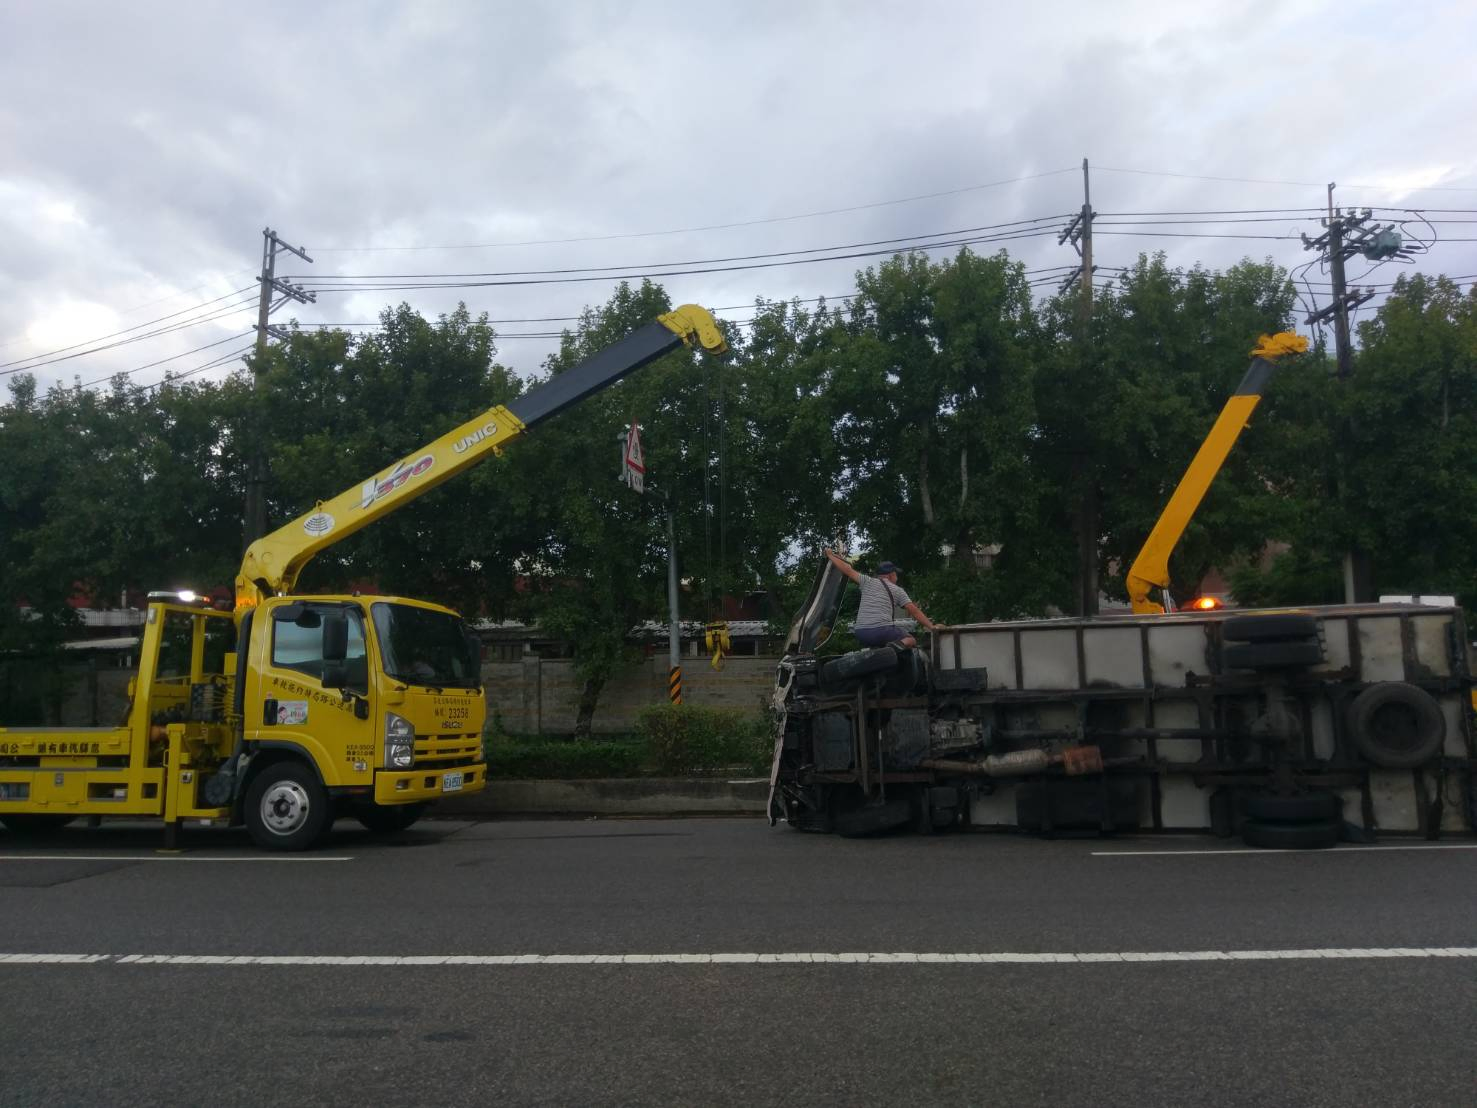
x=294 y=708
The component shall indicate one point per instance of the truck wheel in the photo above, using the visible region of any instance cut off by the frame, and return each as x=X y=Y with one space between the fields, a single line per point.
x=1270 y=628
x=1397 y=726
x=34 y=823
x=859 y=821
x=1291 y=836
x=286 y=807
x=1312 y=807
x=1272 y=655
x=387 y=819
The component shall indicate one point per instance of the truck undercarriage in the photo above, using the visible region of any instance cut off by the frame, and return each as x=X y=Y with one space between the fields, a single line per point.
x=1296 y=728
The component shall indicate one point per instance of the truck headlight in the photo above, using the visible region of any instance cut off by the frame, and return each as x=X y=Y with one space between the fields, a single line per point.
x=399 y=742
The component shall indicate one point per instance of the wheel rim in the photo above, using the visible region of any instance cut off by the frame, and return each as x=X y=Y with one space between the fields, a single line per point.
x=285 y=808
x=1396 y=727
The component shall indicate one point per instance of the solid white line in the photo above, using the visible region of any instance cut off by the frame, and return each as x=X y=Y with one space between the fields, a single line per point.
x=1275 y=853
x=167 y=858
x=827 y=958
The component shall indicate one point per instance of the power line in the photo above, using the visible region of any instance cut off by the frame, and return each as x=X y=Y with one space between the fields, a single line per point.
x=171 y=358
x=710 y=226
x=161 y=361
x=126 y=330
x=225 y=313
x=1004 y=228
x=632 y=275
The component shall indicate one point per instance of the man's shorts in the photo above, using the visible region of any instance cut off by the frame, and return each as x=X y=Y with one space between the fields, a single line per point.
x=881 y=634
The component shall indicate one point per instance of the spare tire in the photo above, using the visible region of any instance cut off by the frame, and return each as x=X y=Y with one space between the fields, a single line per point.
x=1311 y=807
x=1272 y=655
x=1291 y=836
x=1397 y=726
x=1269 y=628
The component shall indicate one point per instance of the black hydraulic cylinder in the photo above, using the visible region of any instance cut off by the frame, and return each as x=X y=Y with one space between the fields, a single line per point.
x=604 y=369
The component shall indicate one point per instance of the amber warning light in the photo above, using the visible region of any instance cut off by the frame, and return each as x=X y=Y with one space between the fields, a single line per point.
x=1206 y=604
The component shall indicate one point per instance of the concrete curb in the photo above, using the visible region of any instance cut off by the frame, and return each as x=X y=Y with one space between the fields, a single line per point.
x=635 y=796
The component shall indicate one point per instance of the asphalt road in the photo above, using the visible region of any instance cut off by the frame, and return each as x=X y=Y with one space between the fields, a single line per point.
x=1339 y=1020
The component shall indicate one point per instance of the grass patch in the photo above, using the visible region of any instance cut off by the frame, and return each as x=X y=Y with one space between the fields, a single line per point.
x=672 y=742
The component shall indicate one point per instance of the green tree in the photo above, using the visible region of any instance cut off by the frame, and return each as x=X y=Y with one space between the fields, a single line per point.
x=934 y=409
x=1170 y=346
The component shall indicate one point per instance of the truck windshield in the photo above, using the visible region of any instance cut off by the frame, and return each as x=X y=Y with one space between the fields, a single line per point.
x=422 y=647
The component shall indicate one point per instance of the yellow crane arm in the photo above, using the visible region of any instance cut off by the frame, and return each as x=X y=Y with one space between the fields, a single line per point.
x=1150 y=569
x=272 y=563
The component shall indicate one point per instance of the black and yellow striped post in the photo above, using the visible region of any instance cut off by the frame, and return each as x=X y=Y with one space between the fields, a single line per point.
x=674 y=684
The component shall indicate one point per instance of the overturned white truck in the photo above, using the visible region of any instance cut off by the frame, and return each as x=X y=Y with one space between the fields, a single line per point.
x=1293 y=728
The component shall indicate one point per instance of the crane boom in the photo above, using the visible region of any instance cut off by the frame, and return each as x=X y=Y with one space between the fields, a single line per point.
x=1151 y=568
x=271 y=564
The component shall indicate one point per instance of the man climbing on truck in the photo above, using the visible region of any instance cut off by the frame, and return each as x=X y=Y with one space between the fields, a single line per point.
x=877 y=618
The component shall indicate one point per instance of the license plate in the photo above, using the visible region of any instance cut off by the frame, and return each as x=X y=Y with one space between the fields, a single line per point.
x=451 y=782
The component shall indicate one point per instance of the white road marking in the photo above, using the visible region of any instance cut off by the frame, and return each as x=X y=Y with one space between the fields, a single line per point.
x=814 y=958
x=1341 y=850
x=170 y=858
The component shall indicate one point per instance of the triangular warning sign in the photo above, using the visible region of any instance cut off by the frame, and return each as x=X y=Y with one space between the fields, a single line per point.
x=633 y=460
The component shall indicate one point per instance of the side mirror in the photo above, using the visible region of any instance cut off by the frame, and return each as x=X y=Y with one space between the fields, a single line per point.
x=335 y=638
x=335 y=675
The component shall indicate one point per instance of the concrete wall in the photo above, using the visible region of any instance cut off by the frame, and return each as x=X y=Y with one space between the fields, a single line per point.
x=94 y=697
x=539 y=696
x=533 y=696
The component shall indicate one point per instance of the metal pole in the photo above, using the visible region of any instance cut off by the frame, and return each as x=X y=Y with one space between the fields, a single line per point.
x=674 y=631
x=1086 y=245
x=256 y=508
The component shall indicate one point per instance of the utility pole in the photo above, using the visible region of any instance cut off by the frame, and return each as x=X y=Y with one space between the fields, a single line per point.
x=1079 y=233
x=1345 y=234
x=674 y=629
x=255 y=522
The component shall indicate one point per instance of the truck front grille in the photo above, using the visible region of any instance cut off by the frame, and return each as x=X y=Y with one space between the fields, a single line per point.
x=448 y=750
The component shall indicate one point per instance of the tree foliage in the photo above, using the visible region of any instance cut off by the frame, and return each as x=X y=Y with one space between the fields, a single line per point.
x=942 y=417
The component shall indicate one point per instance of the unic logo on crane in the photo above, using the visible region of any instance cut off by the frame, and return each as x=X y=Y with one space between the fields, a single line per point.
x=466 y=442
x=380 y=487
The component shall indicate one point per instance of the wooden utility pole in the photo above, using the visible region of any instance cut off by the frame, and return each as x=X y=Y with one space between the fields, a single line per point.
x=255 y=514
x=1345 y=235
x=1079 y=232
x=1086 y=247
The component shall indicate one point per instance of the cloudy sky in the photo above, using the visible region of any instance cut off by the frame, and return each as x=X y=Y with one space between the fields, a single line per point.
x=144 y=146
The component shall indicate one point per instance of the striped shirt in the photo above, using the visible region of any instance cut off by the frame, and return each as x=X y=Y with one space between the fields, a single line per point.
x=882 y=602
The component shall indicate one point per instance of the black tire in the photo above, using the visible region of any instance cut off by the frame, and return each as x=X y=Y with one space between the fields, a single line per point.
x=388 y=819
x=1292 y=836
x=1272 y=627
x=1313 y=807
x=1272 y=655
x=1397 y=726
x=34 y=823
x=286 y=807
x=872 y=819
x=859 y=664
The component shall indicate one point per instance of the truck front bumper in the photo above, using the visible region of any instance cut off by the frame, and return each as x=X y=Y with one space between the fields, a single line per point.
x=414 y=786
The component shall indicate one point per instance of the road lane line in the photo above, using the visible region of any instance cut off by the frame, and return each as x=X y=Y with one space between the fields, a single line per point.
x=1339 y=850
x=873 y=958
x=166 y=858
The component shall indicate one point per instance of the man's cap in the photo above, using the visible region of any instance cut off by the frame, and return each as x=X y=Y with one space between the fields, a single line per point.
x=887 y=567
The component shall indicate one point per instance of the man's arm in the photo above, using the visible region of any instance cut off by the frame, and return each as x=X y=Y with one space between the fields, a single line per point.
x=917 y=613
x=842 y=564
